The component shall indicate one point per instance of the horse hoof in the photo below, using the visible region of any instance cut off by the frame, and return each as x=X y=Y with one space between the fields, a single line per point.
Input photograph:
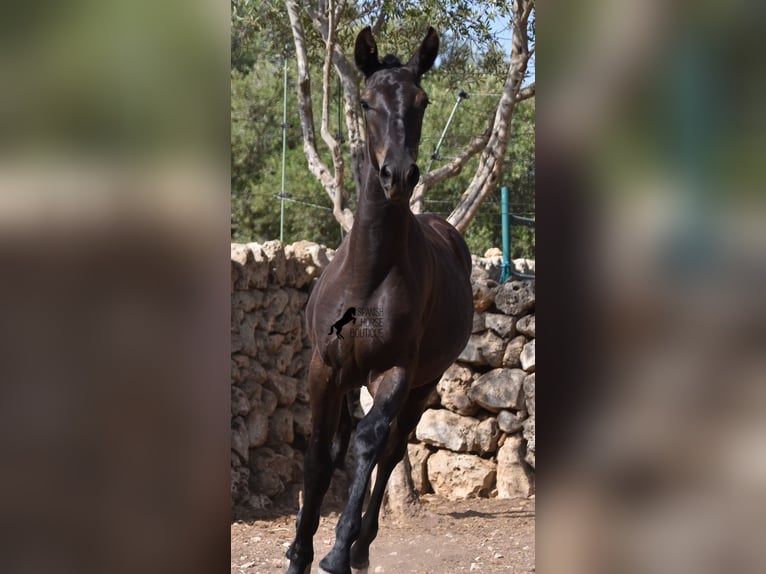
x=360 y=570
x=306 y=570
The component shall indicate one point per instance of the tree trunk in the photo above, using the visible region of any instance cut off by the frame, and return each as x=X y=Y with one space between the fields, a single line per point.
x=333 y=184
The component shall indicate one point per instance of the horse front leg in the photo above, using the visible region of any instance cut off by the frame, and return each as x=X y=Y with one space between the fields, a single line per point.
x=403 y=425
x=370 y=441
x=326 y=401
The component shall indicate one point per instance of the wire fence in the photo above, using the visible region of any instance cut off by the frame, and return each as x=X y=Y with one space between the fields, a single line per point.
x=444 y=149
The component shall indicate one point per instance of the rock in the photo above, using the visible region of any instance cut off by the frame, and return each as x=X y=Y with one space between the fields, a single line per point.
x=286 y=322
x=257 y=428
x=301 y=419
x=486 y=435
x=485 y=349
x=312 y=256
x=269 y=471
x=241 y=361
x=241 y=258
x=281 y=426
x=483 y=290
x=240 y=489
x=503 y=325
x=302 y=385
x=493 y=252
x=459 y=476
x=512 y=354
x=527 y=356
x=419 y=454
x=524 y=265
x=492 y=266
x=252 y=390
x=515 y=297
x=240 y=442
x=513 y=479
x=267 y=404
x=266 y=482
x=295 y=272
x=509 y=422
x=529 y=436
x=282 y=464
x=296 y=369
x=284 y=388
x=240 y=254
x=256 y=272
x=499 y=389
x=445 y=429
x=246 y=301
x=245 y=340
x=526 y=326
x=275 y=254
x=240 y=405
x=453 y=390
x=237 y=373
x=529 y=393
x=273 y=345
x=275 y=301
x=284 y=358
x=258 y=373
x=478 y=323
x=296 y=301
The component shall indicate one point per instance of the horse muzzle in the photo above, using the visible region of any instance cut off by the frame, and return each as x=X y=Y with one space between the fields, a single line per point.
x=399 y=182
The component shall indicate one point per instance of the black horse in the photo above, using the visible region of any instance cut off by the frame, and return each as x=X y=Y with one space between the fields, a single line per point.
x=415 y=272
x=348 y=316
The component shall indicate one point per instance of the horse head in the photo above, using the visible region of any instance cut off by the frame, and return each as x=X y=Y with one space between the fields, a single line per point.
x=394 y=104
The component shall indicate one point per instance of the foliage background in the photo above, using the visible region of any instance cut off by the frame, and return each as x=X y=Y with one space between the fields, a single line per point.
x=472 y=59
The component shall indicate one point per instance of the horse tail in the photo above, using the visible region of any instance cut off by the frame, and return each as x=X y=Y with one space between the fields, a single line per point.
x=331 y=326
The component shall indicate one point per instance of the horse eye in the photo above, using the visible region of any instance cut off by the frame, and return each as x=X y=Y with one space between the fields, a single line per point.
x=364 y=104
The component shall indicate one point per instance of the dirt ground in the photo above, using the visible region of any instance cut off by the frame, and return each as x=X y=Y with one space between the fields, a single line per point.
x=478 y=535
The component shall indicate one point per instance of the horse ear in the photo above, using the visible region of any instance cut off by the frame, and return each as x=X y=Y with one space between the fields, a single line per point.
x=366 y=53
x=425 y=56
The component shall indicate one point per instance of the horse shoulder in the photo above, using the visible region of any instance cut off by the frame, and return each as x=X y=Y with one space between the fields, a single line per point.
x=444 y=238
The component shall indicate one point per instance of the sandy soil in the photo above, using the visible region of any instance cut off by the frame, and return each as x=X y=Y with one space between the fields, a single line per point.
x=478 y=535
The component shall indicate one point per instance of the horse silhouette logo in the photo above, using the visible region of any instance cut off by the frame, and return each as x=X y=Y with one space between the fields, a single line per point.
x=348 y=316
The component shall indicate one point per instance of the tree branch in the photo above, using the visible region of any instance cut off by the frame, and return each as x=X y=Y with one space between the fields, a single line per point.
x=337 y=156
x=380 y=20
x=448 y=170
x=525 y=93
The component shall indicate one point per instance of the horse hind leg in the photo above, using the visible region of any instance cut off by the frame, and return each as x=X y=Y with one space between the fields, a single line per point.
x=343 y=436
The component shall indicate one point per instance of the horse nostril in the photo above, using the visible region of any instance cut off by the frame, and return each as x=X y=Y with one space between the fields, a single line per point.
x=386 y=177
x=413 y=175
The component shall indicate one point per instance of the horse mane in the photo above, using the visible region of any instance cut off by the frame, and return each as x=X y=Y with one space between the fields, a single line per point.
x=391 y=61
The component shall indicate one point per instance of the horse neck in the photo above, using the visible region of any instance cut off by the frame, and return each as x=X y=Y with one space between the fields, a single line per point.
x=381 y=231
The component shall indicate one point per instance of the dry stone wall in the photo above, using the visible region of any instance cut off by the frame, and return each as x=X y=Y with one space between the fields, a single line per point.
x=476 y=438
